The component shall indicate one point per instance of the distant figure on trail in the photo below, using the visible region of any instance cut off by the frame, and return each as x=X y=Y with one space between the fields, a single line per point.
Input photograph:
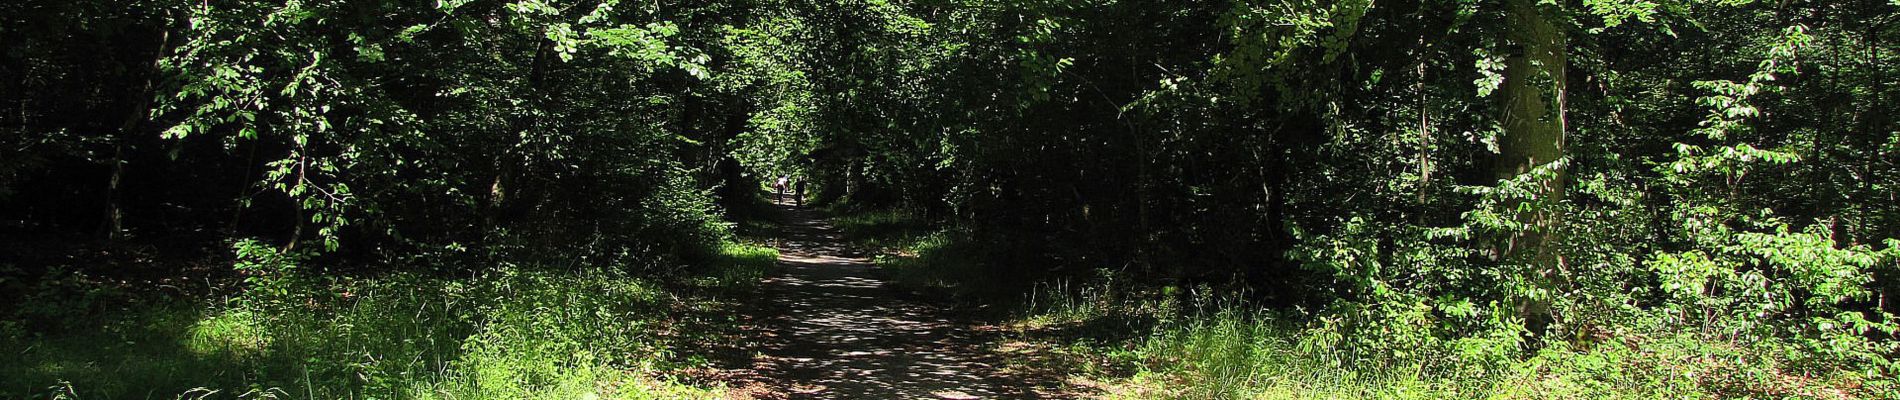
x=798 y=195
x=779 y=186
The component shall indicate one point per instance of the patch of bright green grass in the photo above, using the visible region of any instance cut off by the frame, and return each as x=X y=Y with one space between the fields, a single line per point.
x=915 y=255
x=942 y=262
x=739 y=265
x=1229 y=351
x=882 y=228
x=507 y=333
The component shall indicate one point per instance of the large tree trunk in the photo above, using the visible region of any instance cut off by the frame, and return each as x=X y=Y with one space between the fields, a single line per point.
x=1533 y=119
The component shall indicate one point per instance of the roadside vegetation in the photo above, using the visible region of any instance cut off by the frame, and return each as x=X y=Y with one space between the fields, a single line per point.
x=1166 y=198
x=1118 y=338
x=505 y=331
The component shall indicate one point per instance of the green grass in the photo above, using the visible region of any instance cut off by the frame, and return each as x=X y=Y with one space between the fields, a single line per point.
x=508 y=332
x=739 y=266
x=916 y=255
x=934 y=262
x=1141 y=342
x=881 y=228
x=1225 y=350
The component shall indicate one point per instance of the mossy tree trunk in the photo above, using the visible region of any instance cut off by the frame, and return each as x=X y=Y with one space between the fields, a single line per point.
x=1533 y=94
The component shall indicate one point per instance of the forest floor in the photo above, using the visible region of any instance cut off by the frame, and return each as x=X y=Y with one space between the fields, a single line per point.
x=827 y=325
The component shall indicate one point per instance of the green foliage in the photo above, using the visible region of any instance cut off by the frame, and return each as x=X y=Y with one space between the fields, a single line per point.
x=740 y=266
x=1216 y=348
x=311 y=87
x=1343 y=160
x=885 y=228
x=942 y=261
x=1482 y=194
x=506 y=333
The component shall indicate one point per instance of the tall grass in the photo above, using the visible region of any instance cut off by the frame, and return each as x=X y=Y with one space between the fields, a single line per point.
x=1151 y=342
x=936 y=261
x=1234 y=353
x=882 y=228
x=509 y=332
x=915 y=255
x=1148 y=342
x=1224 y=349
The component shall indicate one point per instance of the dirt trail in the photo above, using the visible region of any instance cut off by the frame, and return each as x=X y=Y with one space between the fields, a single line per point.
x=830 y=328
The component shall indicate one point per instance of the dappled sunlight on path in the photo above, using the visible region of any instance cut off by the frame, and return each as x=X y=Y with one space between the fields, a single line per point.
x=831 y=329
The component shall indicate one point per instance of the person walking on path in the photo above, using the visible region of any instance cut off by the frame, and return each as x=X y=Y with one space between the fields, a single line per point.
x=779 y=188
x=798 y=195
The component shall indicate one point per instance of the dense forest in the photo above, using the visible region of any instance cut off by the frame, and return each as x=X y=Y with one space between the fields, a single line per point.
x=1136 y=199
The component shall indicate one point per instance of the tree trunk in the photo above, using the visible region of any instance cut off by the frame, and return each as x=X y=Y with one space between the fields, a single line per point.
x=1533 y=119
x=1424 y=127
x=501 y=193
x=141 y=104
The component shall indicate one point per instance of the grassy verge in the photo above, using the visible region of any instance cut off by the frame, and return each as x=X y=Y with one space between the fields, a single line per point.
x=1229 y=351
x=504 y=332
x=1128 y=340
x=920 y=256
x=882 y=228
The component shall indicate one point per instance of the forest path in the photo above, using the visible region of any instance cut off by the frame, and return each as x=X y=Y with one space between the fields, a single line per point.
x=830 y=328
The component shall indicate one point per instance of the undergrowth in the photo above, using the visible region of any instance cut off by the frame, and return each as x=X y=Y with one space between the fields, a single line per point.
x=881 y=228
x=506 y=332
x=1210 y=348
x=920 y=256
x=1138 y=340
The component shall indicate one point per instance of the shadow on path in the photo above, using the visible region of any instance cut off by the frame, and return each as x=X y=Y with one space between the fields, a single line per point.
x=829 y=328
